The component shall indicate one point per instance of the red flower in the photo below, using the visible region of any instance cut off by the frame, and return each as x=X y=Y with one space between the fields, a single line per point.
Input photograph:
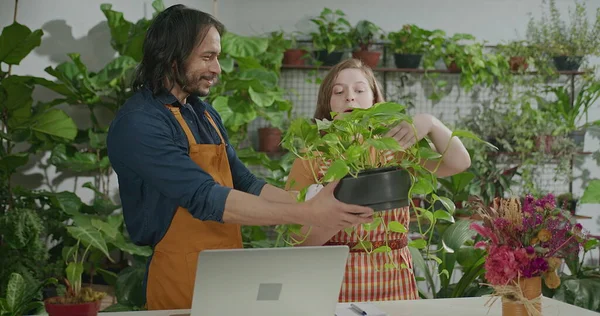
x=502 y=265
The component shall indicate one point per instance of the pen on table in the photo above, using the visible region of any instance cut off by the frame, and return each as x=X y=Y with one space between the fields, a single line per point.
x=357 y=309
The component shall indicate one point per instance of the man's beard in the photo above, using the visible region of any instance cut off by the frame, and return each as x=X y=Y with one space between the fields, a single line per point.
x=196 y=85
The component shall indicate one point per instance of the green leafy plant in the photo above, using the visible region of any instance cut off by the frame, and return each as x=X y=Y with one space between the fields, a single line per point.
x=365 y=33
x=347 y=142
x=21 y=297
x=552 y=35
x=333 y=31
x=411 y=39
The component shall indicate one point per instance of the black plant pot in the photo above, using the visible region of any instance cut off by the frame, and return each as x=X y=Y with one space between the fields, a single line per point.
x=578 y=137
x=407 y=61
x=328 y=59
x=380 y=189
x=567 y=63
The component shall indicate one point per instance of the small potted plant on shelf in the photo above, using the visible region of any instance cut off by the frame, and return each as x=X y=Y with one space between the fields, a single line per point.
x=526 y=242
x=519 y=54
x=566 y=45
x=332 y=36
x=78 y=300
x=568 y=113
x=364 y=35
x=409 y=44
x=294 y=55
x=567 y=202
x=356 y=146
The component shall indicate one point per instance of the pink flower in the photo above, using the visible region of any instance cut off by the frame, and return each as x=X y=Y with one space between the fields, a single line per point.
x=484 y=232
x=502 y=265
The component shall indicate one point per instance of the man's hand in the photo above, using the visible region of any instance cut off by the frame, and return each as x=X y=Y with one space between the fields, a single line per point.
x=324 y=210
x=404 y=133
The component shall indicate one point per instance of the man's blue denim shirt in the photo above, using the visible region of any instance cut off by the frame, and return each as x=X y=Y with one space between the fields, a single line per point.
x=148 y=150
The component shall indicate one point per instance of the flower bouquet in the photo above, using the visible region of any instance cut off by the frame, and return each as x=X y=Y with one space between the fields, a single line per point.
x=525 y=242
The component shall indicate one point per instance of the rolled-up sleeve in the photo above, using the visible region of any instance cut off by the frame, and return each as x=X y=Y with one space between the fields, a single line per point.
x=145 y=144
x=243 y=179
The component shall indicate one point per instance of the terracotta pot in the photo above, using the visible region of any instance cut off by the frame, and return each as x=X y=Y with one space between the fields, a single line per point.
x=294 y=57
x=518 y=63
x=369 y=58
x=453 y=67
x=532 y=288
x=269 y=139
x=84 y=309
x=544 y=143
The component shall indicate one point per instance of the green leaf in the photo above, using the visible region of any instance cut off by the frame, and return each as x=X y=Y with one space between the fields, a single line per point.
x=422 y=186
x=227 y=64
x=336 y=171
x=382 y=249
x=436 y=258
x=17 y=95
x=110 y=231
x=264 y=77
x=130 y=285
x=418 y=243
x=90 y=237
x=69 y=202
x=261 y=99
x=448 y=204
x=466 y=134
x=363 y=245
x=580 y=292
x=353 y=153
x=457 y=234
x=591 y=244
x=396 y=227
x=131 y=248
x=17 y=41
x=591 y=194
x=15 y=290
x=10 y=163
x=97 y=140
x=243 y=46
x=439 y=214
x=74 y=271
x=386 y=143
x=56 y=123
x=428 y=154
x=373 y=225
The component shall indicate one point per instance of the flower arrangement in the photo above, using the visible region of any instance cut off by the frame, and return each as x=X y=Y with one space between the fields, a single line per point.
x=525 y=242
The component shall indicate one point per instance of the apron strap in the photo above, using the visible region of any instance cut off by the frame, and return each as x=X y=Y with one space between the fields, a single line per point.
x=183 y=123
x=212 y=122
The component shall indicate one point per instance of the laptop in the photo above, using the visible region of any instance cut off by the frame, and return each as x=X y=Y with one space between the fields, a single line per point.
x=287 y=281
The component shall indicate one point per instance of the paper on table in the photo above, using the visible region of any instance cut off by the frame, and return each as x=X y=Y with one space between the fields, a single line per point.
x=343 y=309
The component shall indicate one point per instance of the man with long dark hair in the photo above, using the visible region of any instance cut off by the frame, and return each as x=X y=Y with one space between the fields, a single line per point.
x=182 y=186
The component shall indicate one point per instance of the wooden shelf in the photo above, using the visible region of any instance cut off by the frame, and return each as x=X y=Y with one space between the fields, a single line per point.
x=411 y=70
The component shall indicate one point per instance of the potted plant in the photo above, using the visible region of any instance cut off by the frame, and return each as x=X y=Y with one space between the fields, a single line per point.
x=567 y=202
x=78 y=300
x=566 y=45
x=363 y=35
x=519 y=54
x=355 y=144
x=332 y=36
x=294 y=55
x=409 y=44
x=567 y=113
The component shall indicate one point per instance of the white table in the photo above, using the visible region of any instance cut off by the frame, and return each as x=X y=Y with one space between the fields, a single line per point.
x=456 y=306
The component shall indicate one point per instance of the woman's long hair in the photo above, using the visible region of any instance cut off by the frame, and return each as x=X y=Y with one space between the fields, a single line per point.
x=169 y=41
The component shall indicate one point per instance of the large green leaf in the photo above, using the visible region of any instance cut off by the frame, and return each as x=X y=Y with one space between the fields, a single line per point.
x=69 y=202
x=129 y=247
x=113 y=71
x=10 y=163
x=56 y=123
x=591 y=195
x=580 y=292
x=129 y=288
x=69 y=158
x=119 y=27
x=456 y=235
x=261 y=99
x=17 y=93
x=15 y=291
x=266 y=78
x=17 y=41
x=336 y=171
x=243 y=46
x=90 y=237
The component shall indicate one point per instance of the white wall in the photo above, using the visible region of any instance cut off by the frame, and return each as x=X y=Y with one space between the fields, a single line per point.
x=79 y=26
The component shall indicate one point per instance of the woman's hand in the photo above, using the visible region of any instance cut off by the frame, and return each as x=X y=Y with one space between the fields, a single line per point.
x=404 y=133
